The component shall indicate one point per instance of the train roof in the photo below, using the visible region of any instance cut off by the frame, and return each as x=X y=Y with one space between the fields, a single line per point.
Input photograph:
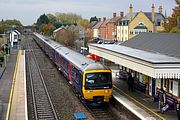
x=80 y=60
x=48 y=41
x=77 y=59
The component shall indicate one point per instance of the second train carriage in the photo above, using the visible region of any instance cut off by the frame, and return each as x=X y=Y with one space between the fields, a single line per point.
x=92 y=80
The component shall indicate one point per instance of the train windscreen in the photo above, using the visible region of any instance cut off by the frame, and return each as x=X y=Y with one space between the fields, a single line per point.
x=99 y=80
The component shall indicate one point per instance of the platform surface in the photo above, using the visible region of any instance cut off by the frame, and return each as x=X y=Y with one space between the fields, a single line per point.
x=6 y=81
x=17 y=106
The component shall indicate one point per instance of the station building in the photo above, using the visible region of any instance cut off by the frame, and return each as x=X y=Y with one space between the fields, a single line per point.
x=153 y=59
x=14 y=37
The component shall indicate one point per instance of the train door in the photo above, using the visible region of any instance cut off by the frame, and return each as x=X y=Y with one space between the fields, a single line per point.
x=53 y=55
x=70 y=71
x=59 y=60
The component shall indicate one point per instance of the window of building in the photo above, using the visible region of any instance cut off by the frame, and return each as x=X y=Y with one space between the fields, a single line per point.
x=175 y=88
x=141 y=77
x=125 y=23
x=131 y=32
x=15 y=37
x=158 y=83
x=141 y=24
x=170 y=86
x=122 y=31
x=164 y=84
x=125 y=31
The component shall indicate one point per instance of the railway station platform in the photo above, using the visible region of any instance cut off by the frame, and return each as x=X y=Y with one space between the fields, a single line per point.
x=140 y=104
x=17 y=105
x=6 y=73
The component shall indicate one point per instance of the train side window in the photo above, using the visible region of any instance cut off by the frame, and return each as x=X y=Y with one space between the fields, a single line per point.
x=55 y=56
x=64 y=64
x=75 y=74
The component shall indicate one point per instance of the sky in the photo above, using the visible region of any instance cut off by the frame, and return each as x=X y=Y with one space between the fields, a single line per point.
x=28 y=11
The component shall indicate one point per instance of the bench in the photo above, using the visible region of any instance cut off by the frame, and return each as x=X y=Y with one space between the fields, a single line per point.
x=171 y=102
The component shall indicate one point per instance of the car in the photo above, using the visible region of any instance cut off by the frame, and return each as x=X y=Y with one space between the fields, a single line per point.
x=123 y=75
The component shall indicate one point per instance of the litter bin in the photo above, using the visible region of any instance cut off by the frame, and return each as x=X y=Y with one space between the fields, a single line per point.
x=178 y=109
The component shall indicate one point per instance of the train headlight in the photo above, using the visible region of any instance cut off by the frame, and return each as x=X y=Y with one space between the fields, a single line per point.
x=89 y=91
x=106 y=91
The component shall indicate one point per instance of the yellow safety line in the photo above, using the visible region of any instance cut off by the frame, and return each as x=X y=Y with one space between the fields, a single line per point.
x=12 y=88
x=141 y=104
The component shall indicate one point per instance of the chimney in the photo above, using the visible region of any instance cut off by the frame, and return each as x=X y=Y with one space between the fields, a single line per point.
x=104 y=19
x=160 y=9
x=99 y=19
x=121 y=14
x=130 y=12
x=153 y=15
x=114 y=15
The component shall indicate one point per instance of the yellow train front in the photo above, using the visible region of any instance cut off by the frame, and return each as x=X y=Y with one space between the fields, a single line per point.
x=97 y=84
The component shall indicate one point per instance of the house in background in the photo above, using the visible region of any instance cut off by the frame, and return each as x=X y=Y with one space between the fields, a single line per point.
x=112 y=26
x=80 y=32
x=134 y=23
x=60 y=34
x=103 y=27
x=77 y=30
x=96 y=29
x=122 y=27
x=89 y=31
x=14 y=37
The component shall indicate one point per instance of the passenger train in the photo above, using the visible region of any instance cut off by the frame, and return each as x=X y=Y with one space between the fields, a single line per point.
x=92 y=80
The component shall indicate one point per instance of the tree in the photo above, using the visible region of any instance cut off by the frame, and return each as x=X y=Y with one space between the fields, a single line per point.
x=6 y=25
x=93 y=19
x=47 y=28
x=43 y=19
x=52 y=18
x=72 y=36
x=171 y=24
x=68 y=18
x=60 y=19
x=57 y=24
x=84 y=23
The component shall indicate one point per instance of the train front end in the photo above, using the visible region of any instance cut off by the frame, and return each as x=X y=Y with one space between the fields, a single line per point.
x=97 y=86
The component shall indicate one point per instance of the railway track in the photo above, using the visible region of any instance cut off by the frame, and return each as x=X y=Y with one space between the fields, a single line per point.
x=42 y=104
x=102 y=113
